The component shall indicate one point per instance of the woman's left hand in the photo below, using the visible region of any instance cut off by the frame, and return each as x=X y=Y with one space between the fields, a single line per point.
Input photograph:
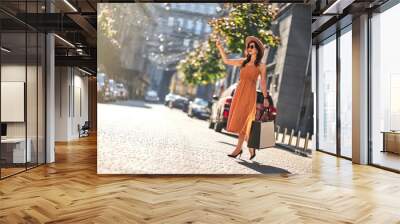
x=266 y=103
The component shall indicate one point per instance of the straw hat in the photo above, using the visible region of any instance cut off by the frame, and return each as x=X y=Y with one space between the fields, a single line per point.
x=255 y=40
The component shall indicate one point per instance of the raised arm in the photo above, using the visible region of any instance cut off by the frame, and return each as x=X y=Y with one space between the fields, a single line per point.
x=234 y=62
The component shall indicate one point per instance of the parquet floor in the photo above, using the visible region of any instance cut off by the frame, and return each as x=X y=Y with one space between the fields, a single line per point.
x=69 y=191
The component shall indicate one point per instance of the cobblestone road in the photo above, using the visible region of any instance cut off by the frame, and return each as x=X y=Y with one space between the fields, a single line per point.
x=139 y=138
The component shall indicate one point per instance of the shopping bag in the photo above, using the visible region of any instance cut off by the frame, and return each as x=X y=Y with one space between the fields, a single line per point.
x=262 y=135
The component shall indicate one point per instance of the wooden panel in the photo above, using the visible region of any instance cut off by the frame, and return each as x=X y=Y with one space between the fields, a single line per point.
x=92 y=103
x=392 y=142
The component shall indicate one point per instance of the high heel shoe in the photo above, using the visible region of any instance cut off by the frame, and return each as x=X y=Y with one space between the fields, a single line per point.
x=254 y=155
x=238 y=154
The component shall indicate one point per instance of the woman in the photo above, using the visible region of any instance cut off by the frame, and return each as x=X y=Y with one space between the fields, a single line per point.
x=243 y=107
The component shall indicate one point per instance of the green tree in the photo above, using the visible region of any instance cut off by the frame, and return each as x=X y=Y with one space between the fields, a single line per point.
x=108 y=53
x=244 y=20
x=112 y=22
x=204 y=64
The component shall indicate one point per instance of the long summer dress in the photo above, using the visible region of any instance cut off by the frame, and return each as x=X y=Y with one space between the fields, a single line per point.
x=243 y=108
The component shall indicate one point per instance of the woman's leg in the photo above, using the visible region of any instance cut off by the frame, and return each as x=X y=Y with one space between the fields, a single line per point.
x=251 y=150
x=239 y=144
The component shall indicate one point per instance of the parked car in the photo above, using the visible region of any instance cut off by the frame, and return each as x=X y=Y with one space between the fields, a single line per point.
x=179 y=102
x=220 y=109
x=121 y=92
x=199 y=108
x=108 y=95
x=186 y=104
x=101 y=86
x=221 y=105
x=101 y=79
x=112 y=90
x=168 y=98
x=151 y=96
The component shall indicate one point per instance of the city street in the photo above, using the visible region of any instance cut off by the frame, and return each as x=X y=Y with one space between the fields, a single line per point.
x=135 y=137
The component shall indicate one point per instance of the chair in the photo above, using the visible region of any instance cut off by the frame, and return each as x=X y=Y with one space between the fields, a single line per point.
x=84 y=130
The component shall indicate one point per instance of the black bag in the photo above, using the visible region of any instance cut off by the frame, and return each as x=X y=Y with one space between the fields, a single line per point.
x=262 y=135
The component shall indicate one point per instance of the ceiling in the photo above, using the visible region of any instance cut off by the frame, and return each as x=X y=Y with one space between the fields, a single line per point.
x=73 y=21
x=337 y=14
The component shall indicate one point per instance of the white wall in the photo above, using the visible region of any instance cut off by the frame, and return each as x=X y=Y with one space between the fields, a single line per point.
x=71 y=94
x=62 y=82
x=14 y=73
x=12 y=101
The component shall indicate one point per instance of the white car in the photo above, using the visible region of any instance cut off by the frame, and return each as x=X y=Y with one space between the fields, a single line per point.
x=151 y=96
x=169 y=97
x=121 y=92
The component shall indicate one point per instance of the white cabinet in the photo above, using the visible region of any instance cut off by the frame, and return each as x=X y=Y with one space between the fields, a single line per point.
x=19 y=155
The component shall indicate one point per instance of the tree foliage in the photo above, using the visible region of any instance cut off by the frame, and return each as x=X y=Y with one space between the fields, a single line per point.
x=244 y=20
x=204 y=64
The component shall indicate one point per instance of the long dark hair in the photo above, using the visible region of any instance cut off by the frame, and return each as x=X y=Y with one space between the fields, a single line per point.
x=258 y=57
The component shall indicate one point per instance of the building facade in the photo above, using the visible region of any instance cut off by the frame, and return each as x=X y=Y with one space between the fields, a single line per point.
x=181 y=27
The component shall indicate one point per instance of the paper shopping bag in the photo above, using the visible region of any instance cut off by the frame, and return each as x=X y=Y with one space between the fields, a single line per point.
x=262 y=135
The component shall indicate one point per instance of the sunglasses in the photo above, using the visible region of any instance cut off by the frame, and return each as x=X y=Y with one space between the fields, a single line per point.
x=251 y=46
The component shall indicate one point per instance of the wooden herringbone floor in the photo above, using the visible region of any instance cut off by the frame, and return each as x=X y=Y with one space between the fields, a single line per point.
x=69 y=191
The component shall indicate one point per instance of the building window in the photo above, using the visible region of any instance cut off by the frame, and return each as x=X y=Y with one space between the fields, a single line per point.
x=385 y=88
x=346 y=93
x=170 y=21
x=327 y=95
x=186 y=42
x=208 y=29
x=198 y=27
x=190 y=24
x=180 y=21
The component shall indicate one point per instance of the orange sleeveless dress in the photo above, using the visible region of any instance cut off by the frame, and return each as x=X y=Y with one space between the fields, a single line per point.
x=243 y=107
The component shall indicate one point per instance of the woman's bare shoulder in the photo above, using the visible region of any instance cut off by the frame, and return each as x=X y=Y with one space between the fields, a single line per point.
x=262 y=66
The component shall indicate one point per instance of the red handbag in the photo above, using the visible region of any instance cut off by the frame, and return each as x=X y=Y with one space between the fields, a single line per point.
x=265 y=113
